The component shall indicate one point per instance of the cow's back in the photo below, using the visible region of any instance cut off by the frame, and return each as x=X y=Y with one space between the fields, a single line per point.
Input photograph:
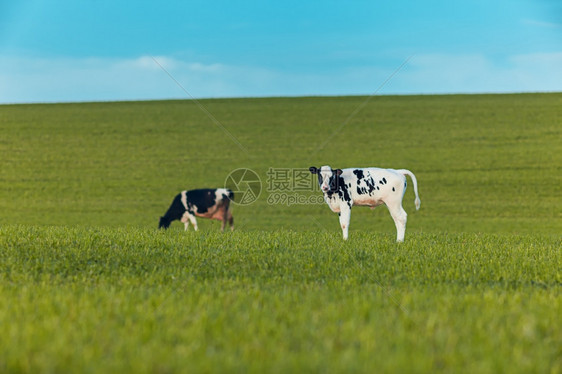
x=204 y=197
x=370 y=186
x=209 y=202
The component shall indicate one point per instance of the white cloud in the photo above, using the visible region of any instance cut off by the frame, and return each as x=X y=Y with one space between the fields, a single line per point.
x=538 y=60
x=67 y=79
x=213 y=68
x=152 y=62
x=91 y=79
x=444 y=73
x=550 y=25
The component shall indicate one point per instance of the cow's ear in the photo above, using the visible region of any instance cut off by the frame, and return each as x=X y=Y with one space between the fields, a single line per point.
x=313 y=170
x=338 y=172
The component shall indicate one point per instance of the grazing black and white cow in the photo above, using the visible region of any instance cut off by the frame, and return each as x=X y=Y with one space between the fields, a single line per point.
x=206 y=203
x=366 y=187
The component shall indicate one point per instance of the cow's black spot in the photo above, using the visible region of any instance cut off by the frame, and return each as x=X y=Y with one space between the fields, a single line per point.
x=361 y=190
x=342 y=190
x=358 y=173
x=370 y=184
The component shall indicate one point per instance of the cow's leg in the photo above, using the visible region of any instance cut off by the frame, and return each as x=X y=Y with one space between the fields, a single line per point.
x=230 y=220
x=400 y=217
x=193 y=221
x=185 y=220
x=345 y=217
x=224 y=218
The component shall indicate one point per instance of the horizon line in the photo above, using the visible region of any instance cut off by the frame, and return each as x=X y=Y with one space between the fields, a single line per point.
x=208 y=98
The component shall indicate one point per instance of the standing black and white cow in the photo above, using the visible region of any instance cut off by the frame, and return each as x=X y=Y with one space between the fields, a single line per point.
x=366 y=187
x=206 y=203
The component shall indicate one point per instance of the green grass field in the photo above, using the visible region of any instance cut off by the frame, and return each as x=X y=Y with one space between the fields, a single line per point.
x=136 y=300
x=88 y=284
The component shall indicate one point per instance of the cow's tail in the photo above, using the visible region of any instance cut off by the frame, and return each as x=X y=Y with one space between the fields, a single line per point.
x=415 y=181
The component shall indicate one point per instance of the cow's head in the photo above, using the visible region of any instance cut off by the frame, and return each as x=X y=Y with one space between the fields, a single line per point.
x=164 y=223
x=327 y=178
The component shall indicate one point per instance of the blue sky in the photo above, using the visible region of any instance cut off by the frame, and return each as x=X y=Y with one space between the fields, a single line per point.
x=94 y=50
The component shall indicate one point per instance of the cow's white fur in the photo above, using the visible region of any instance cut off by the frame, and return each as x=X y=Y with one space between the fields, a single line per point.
x=389 y=188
